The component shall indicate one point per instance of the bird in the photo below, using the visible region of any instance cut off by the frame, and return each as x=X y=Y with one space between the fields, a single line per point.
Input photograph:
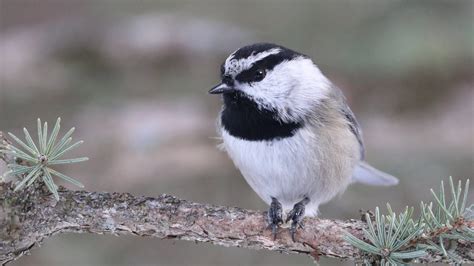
x=290 y=132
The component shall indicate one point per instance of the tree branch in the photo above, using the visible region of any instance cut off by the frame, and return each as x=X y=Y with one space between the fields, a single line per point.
x=32 y=215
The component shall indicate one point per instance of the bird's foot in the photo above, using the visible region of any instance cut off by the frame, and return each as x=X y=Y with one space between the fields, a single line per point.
x=296 y=216
x=274 y=217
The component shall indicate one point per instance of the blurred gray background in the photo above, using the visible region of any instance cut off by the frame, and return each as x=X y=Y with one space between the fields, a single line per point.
x=133 y=76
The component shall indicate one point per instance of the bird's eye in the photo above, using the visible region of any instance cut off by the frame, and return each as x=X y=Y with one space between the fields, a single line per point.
x=259 y=74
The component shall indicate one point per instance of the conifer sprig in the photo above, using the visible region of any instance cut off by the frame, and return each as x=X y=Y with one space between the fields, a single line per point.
x=41 y=156
x=393 y=239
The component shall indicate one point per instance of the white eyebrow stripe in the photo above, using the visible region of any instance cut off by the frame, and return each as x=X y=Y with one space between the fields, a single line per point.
x=233 y=66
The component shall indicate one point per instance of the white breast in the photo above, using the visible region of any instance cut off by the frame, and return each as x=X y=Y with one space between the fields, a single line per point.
x=288 y=169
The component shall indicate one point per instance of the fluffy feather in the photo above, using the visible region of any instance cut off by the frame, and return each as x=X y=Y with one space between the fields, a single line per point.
x=316 y=162
x=291 y=134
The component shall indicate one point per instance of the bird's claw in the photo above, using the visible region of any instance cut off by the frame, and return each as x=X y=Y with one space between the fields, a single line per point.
x=296 y=216
x=293 y=228
x=274 y=217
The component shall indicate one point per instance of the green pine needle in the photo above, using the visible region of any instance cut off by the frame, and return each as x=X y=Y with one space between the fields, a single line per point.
x=41 y=156
x=395 y=238
x=388 y=236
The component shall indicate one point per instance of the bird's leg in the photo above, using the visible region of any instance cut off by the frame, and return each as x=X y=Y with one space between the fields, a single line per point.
x=296 y=215
x=274 y=217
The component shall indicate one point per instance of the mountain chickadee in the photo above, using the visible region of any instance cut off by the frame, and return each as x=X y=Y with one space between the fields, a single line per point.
x=289 y=131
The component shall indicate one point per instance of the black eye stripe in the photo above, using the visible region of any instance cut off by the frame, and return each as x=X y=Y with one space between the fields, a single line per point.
x=248 y=75
x=267 y=64
x=227 y=80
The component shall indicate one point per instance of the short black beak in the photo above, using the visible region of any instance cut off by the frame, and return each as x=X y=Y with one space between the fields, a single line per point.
x=221 y=88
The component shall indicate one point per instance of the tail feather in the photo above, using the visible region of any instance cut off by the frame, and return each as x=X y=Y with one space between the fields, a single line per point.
x=366 y=174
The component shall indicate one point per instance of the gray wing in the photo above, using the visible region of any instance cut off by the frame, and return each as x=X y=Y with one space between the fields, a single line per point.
x=363 y=172
x=350 y=118
x=354 y=127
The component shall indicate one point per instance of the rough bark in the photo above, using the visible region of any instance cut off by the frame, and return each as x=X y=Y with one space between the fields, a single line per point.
x=30 y=216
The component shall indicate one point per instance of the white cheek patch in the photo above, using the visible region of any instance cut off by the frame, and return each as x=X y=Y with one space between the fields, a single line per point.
x=235 y=66
x=292 y=88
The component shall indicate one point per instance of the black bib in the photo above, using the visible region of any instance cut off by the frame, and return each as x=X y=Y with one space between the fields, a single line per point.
x=242 y=118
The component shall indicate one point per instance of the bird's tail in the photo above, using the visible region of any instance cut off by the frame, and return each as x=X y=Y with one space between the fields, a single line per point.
x=366 y=174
